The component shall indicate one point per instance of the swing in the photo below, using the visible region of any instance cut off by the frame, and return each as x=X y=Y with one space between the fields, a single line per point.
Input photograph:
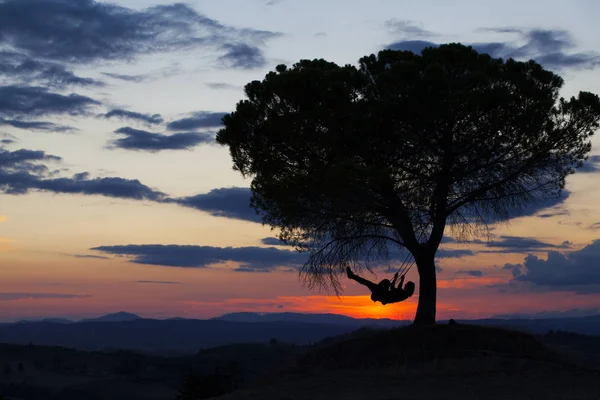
x=385 y=291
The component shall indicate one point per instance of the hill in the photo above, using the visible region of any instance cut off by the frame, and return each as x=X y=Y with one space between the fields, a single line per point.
x=116 y=317
x=128 y=331
x=372 y=363
x=311 y=318
x=440 y=362
x=41 y=372
x=165 y=336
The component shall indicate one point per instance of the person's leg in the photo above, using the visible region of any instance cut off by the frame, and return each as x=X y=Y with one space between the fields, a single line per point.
x=373 y=287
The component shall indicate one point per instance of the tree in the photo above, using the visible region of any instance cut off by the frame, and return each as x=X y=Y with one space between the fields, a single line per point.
x=355 y=164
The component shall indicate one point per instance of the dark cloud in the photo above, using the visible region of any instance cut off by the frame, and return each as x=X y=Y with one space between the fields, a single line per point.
x=224 y=202
x=554 y=213
x=407 y=27
x=152 y=119
x=242 y=56
x=549 y=47
x=520 y=244
x=198 y=120
x=136 y=139
x=591 y=165
x=160 y=282
x=7 y=141
x=24 y=161
x=37 y=125
x=38 y=296
x=83 y=31
x=272 y=241
x=127 y=78
x=21 y=171
x=474 y=273
x=222 y=85
x=249 y=258
x=578 y=270
x=33 y=101
x=18 y=67
x=453 y=253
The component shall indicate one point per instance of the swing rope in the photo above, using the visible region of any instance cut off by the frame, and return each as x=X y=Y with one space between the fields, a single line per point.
x=403 y=267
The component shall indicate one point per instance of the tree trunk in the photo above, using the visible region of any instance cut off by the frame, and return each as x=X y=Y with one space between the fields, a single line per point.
x=427 y=289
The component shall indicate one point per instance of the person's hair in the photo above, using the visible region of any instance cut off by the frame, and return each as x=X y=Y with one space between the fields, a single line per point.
x=409 y=288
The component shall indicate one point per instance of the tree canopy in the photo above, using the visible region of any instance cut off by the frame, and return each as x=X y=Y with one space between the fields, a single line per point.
x=352 y=162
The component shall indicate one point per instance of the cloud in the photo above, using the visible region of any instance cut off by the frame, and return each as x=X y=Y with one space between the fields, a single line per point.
x=224 y=202
x=549 y=47
x=407 y=27
x=34 y=101
x=152 y=119
x=90 y=256
x=591 y=165
x=198 y=120
x=554 y=213
x=37 y=125
x=452 y=253
x=127 y=78
x=23 y=160
x=37 y=296
x=473 y=273
x=578 y=270
x=272 y=241
x=18 y=67
x=250 y=258
x=594 y=227
x=242 y=56
x=136 y=139
x=85 y=31
x=21 y=172
x=160 y=282
x=222 y=85
x=7 y=138
x=520 y=244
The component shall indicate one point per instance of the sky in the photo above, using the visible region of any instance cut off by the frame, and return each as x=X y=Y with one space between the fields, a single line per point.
x=115 y=196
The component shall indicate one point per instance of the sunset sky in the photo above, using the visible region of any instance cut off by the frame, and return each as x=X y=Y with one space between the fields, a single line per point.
x=115 y=196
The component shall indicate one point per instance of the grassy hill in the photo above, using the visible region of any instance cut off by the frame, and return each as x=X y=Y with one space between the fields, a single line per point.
x=439 y=362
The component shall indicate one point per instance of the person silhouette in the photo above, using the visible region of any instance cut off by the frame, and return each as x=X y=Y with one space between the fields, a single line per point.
x=385 y=291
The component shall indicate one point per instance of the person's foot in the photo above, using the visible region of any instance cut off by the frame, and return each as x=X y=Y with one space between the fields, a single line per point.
x=349 y=272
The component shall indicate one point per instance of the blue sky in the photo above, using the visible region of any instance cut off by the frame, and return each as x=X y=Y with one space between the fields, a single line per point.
x=108 y=164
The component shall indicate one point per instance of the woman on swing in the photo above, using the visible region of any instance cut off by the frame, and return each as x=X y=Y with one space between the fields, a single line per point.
x=385 y=291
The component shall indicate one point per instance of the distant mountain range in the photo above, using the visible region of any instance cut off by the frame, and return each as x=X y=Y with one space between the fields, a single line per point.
x=128 y=331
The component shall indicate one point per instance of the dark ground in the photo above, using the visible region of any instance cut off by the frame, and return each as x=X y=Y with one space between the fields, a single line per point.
x=440 y=362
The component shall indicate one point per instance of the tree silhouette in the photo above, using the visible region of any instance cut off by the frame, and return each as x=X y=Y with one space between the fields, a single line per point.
x=357 y=164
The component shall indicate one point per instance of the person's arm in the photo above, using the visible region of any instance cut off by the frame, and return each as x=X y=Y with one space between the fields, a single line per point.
x=401 y=284
x=393 y=283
